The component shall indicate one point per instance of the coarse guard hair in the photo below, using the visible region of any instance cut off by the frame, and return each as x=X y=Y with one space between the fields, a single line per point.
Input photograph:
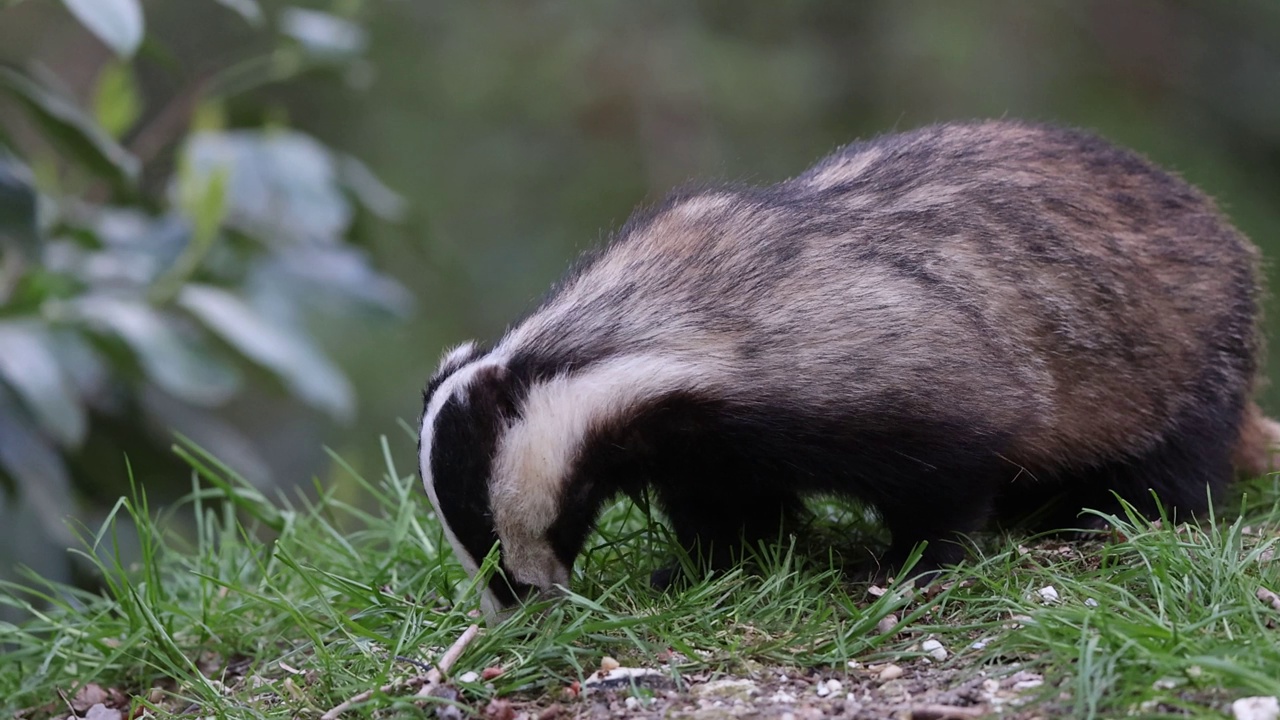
x=962 y=323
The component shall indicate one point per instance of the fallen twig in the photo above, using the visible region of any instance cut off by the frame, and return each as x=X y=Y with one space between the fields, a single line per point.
x=423 y=683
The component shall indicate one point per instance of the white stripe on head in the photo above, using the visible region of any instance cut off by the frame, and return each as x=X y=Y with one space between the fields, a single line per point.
x=455 y=384
x=456 y=355
x=537 y=452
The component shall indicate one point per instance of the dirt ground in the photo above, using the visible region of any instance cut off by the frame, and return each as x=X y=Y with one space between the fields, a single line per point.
x=919 y=690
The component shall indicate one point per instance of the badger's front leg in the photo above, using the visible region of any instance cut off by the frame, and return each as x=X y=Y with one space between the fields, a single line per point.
x=715 y=523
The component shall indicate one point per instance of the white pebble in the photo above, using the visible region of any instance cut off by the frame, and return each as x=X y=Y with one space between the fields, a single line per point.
x=1090 y=602
x=1265 y=707
x=632 y=703
x=890 y=672
x=1048 y=594
x=469 y=677
x=834 y=685
x=935 y=649
x=782 y=696
x=980 y=644
x=1028 y=684
x=822 y=689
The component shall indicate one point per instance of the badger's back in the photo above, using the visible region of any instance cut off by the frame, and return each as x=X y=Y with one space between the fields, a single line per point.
x=1034 y=282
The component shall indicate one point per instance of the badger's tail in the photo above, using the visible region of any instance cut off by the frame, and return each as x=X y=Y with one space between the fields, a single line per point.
x=1257 y=451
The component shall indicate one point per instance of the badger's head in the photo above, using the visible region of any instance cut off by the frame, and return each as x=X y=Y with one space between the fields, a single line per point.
x=525 y=453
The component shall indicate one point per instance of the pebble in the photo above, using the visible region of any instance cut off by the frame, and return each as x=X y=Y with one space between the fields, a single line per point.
x=1264 y=707
x=826 y=688
x=730 y=689
x=1090 y=602
x=469 y=676
x=608 y=664
x=1048 y=594
x=935 y=649
x=886 y=624
x=890 y=672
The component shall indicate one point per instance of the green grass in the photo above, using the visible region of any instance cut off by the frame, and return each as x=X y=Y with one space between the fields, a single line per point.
x=277 y=608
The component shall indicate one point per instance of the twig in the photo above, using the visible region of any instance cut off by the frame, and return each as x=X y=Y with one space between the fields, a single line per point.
x=427 y=680
x=451 y=655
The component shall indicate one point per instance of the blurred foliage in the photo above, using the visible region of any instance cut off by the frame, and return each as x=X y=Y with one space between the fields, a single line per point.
x=160 y=264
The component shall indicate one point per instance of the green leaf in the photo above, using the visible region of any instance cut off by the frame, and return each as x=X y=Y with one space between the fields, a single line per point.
x=116 y=103
x=302 y=367
x=19 y=230
x=41 y=476
x=324 y=36
x=29 y=366
x=281 y=186
x=250 y=10
x=176 y=364
x=117 y=23
x=74 y=132
x=369 y=189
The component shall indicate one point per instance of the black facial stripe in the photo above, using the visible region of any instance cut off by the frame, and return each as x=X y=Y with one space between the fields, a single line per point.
x=464 y=441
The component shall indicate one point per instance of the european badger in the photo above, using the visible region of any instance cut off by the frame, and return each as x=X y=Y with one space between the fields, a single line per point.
x=954 y=324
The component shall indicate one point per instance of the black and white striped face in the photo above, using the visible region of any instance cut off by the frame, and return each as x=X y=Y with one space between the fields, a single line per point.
x=470 y=408
x=523 y=453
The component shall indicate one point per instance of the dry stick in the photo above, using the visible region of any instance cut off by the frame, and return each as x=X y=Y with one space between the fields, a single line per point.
x=427 y=680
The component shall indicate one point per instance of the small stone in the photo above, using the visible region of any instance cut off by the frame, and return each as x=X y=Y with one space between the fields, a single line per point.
x=88 y=696
x=890 y=672
x=607 y=664
x=935 y=649
x=876 y=591
x=490 y=673
x=729 y=689
x=1264 y=707
x=1048 y=594
x=886 y=624
x=469 y=677
x=1027 y=684
x=102 y=712
x=632 y=703
x=499 y=709
x=822 y=690
x=1090 y=602
x=979 y=644
x=782 y=696
x=1017 y=621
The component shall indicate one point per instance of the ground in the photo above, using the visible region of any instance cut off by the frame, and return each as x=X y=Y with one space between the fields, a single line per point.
x=240 y=606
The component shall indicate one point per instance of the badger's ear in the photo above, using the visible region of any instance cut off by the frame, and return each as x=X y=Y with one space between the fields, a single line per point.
x=495 y=386
x=456 y=357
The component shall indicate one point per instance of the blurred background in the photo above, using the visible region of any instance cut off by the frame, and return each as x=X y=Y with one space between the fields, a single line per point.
x=257 y=223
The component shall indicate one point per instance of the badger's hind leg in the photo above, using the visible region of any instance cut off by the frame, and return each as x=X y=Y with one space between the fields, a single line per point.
x=1180 y=475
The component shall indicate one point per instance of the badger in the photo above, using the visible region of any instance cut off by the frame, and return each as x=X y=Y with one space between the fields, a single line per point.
x=961 y=324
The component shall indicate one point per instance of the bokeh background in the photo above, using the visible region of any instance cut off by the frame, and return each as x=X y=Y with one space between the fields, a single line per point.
x=508 y=136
